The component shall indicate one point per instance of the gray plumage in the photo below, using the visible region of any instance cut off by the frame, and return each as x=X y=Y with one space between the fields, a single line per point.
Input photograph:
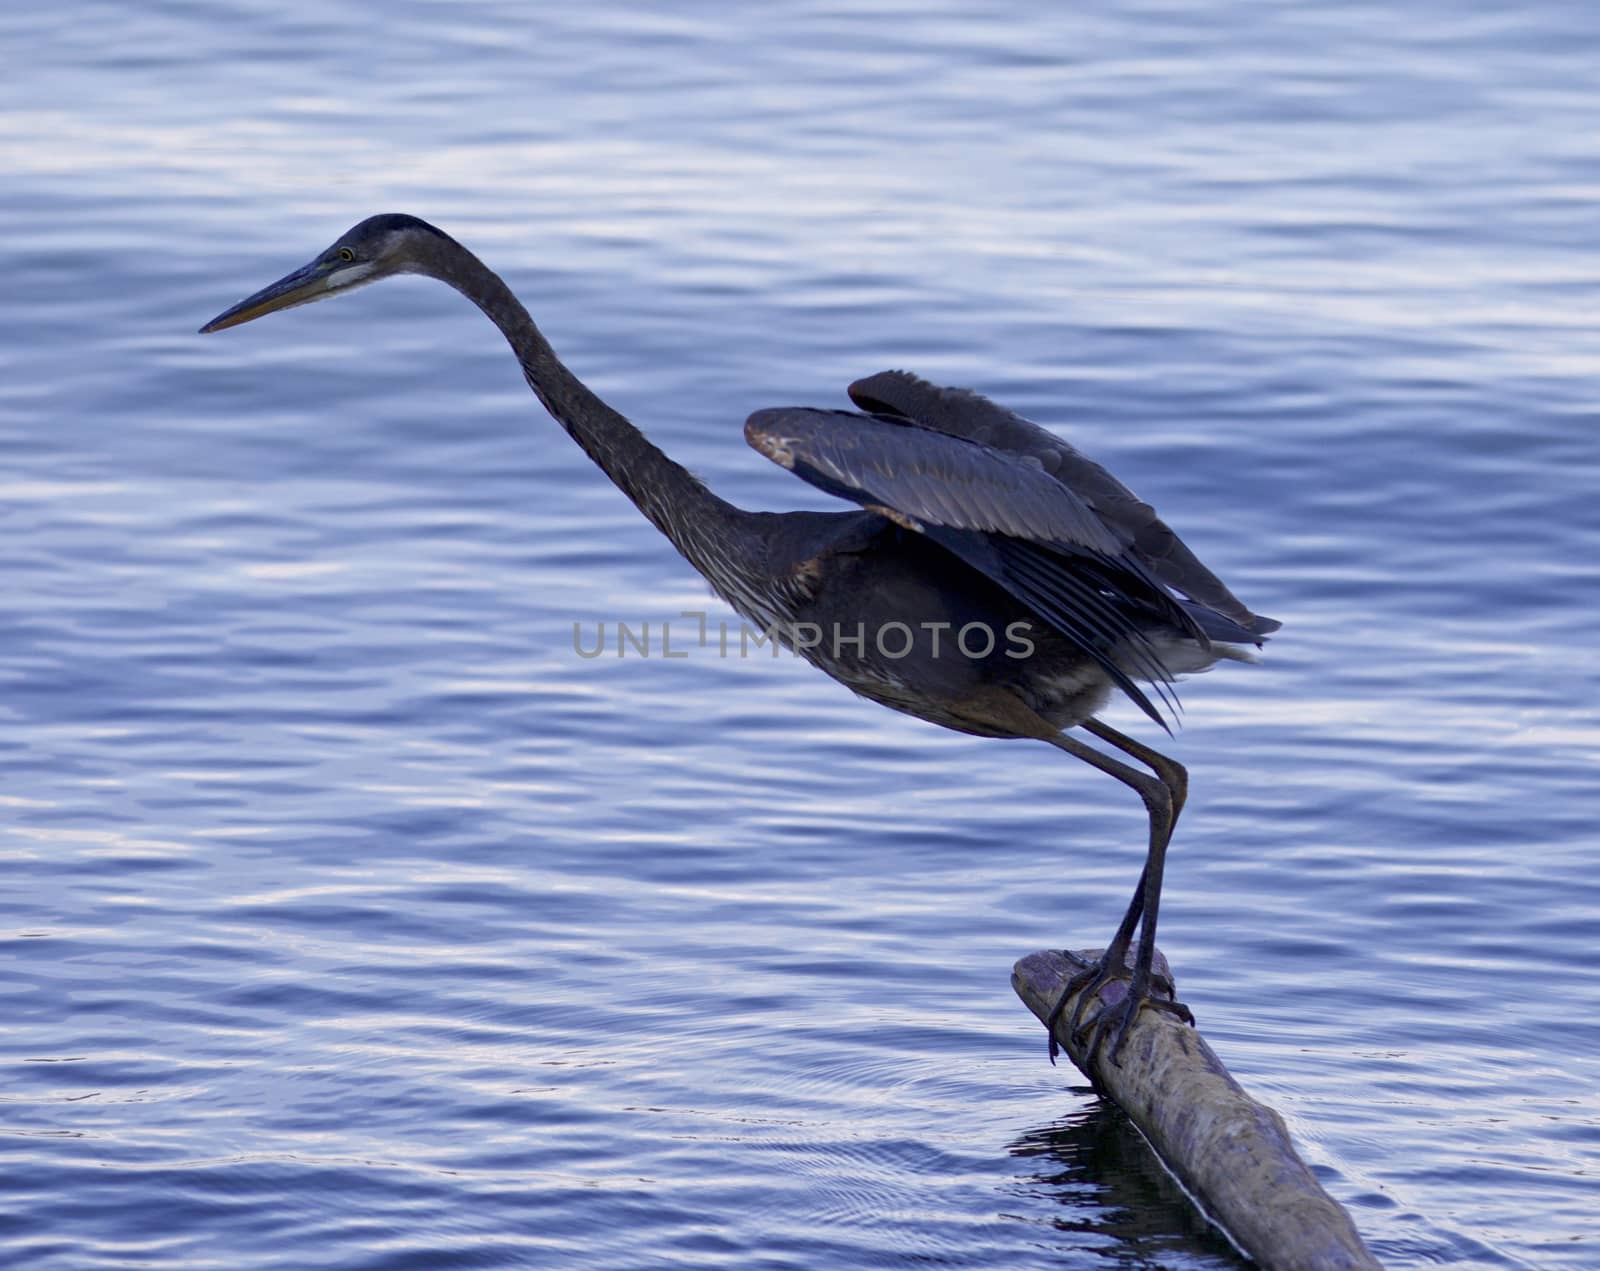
x=959 y=412
x=970 y=519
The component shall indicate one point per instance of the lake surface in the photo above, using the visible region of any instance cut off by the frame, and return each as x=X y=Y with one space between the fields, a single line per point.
x=350 y=919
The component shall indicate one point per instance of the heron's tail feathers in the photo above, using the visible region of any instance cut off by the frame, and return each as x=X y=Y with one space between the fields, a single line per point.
x=1226 y=630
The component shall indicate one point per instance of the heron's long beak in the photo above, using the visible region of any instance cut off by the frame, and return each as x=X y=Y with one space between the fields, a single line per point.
x=308 y=283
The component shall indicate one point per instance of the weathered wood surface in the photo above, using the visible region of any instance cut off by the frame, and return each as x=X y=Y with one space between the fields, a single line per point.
x=1231 y=1153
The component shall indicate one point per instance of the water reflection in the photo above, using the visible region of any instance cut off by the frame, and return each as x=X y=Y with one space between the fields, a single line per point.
x=1116 y=1194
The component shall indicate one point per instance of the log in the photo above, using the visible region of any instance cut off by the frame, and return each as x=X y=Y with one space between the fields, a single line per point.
x=1231 y=1153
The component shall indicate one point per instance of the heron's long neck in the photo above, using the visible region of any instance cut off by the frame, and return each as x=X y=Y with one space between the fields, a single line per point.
x=674 y=501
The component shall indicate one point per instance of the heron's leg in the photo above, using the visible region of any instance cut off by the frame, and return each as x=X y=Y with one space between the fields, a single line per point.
x=1113 y=961
x=1163 y=795
x=1173 y=773
x=1176 y=778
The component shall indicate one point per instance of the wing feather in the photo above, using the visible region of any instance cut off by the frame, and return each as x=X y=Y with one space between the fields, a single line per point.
x=1002 y=514
x=1061 y=599
x=960 y=412
x=929 y=476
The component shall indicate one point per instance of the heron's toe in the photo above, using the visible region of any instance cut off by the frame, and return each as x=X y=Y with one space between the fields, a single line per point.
x=1118 y=1018
x=1113 y=1018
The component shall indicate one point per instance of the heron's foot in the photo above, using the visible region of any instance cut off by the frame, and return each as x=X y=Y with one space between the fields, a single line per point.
x=1118 y=1017
x=1087 y=984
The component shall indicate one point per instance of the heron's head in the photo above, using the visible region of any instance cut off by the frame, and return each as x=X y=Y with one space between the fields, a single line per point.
x=392 y=243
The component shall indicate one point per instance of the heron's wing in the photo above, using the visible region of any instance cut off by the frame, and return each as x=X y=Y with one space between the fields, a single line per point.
x=999 y=512
x=959 y=412
x=916 y=476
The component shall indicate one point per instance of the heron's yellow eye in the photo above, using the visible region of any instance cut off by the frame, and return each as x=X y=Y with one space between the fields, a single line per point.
x=346 y=255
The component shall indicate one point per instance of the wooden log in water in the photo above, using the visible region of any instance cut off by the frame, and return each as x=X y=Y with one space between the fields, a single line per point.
x=1232 y=1154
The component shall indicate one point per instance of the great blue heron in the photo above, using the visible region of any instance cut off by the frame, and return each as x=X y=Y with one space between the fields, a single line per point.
x=995 y=580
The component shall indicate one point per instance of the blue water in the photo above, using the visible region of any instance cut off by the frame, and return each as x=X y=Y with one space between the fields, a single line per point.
x=349 y=919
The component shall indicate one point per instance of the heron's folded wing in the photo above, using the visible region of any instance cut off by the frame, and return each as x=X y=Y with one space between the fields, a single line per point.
x=998 y=512
x=960 y=412
x=919 y=477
